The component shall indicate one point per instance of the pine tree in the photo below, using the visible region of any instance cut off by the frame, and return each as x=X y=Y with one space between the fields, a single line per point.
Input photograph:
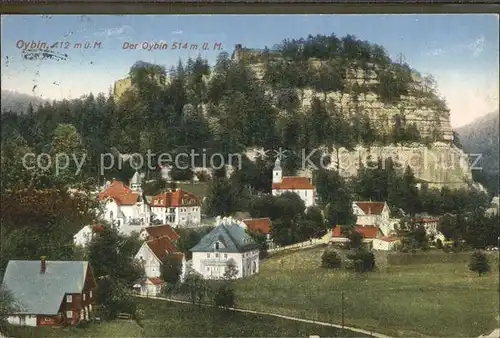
x=479 y=263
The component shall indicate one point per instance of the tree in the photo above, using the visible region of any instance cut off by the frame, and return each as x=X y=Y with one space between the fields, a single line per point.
x=8 y=306
x=195 y=286
x=330 y=259
x=361 y=260
x=355 y=239
x=171 y=269
x=479 y=263
x=231 y=271
x=260 y=239
x=225 y=296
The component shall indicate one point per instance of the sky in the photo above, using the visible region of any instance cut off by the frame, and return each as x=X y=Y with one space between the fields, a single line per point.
x=460 y=51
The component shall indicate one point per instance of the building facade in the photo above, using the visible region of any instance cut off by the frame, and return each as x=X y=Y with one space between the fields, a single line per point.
x=50 y=293
x=178 y=208
x=124 y=206
x=227 y=244
x=299 y=185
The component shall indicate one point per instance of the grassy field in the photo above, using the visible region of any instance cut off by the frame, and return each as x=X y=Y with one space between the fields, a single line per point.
x=423 y=294
x=118 y=328
x=164 y=319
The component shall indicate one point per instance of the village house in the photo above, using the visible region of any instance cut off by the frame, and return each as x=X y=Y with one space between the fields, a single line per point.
x=431 y=226
x=375 y=214
x=85 y=235
x=260 y=225
x=126 y=207
x=228 y=243
x=178 y=208
x=151 y=254
x=50 y=293
x=372 y=237
x=300 y=185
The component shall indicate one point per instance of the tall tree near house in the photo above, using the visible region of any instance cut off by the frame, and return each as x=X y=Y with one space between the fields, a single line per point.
x=231 y=271
x=171 y=270
x=8 y=306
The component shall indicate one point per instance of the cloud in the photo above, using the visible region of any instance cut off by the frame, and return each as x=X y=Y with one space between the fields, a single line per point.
x=477 y=46
x=115 y=31
x=178 y=32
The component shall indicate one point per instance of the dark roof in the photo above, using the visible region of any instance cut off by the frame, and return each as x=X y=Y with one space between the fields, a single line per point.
x=42 y=294
x=233 y=237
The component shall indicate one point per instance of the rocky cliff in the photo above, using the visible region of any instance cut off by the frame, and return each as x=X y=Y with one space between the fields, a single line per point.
x=438 y=163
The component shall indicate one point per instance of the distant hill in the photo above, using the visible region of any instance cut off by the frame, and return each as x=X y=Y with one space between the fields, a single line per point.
x=481 y=137
x=19 y=103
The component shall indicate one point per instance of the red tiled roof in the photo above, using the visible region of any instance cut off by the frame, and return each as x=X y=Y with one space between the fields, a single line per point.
x=371 y=208
x=176 y=198
x=156 y=280
x=120 y=193
x=262 y=225
x=162 y=246
x=161 y=231
x=293 y=182
x=337 y=231
x=368 y=232
x=97 y=228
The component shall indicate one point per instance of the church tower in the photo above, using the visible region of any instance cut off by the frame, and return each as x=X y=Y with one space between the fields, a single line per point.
x=277 y=172
x=136 y=182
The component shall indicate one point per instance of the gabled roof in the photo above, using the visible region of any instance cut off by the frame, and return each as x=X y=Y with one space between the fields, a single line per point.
x=175 y=199
x=368 y=232
x=262 y=225
x=233 y=237
x=162 y=231
x=162 y=246
x=42 y=294
x=120 y=193
x=371 y=208
x=292 y=183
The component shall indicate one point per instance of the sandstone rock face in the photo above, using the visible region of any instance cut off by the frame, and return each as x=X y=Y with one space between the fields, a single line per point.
x=439 y=165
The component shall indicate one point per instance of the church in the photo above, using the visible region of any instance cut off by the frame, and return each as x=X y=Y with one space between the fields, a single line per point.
x=300 y=185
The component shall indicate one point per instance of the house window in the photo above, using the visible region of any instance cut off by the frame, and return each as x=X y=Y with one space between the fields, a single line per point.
x=216 y=245
x=225 y=255
x=69 y=314
x=216 y=255
x=22 y=320
x=305 y=193
x=208 y=255
x=69 y=298
x=208 y=268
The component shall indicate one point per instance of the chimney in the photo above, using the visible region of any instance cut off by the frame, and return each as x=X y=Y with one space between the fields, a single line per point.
x=43 y=265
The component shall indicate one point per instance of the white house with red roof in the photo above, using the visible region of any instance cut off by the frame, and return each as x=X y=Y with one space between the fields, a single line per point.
x=300 y=185
x=375 y=214
x=372 y=235
x=160 y=242
x=126 y=206
x=177 y=208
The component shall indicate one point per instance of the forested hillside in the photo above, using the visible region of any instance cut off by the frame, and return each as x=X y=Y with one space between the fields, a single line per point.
x=481 y=137
x=286 y=100
x=19 y=103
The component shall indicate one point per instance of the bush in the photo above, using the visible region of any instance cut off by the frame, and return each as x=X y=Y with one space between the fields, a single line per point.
x=362 y=260
x=224 y=296
x=479 y=263
x=439 y=244
x=330 y=259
